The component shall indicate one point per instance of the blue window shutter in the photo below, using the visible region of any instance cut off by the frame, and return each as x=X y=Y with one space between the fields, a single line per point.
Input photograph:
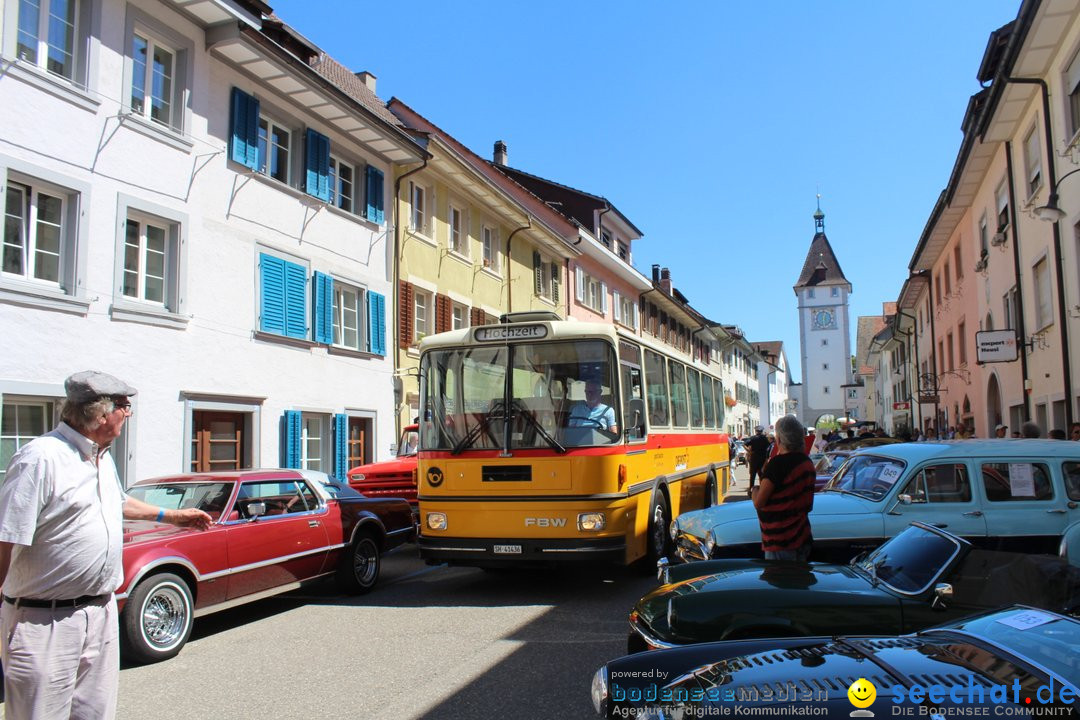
x=374 y=194
x=290 y=441
x=376 y=323
x=295 y=300
x=271 y=294
x=317 y=164
x=341 y=446
x=244 y=124
x=324 y=308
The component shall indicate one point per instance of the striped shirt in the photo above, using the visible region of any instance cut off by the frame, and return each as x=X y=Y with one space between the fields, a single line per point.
x=784 y=520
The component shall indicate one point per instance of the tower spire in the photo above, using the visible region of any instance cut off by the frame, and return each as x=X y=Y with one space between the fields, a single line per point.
x=819 y=218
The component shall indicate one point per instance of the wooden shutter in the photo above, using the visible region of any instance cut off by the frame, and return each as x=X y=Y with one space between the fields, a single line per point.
x=556 y=273
x=603 y=298
x=244 y=129
x=324 y=308
x=317 y=165
x=290 y=439
x=405 y=314
x=271 y=294
x=296 y=301
x=375 y=194
x=442 y=313
x=376 y=323
x=538 y=274
x=341 y=446
x=616 y=306
x=579 y=283
x=475 y=316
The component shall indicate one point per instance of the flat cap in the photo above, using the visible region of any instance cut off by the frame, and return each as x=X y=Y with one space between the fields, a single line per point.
x=91 y=384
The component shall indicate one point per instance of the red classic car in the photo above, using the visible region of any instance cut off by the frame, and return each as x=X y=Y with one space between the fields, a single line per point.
x=390 y=478
x=273 y=531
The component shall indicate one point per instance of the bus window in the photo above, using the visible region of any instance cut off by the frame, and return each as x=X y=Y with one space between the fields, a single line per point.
x=679 y=407
x=693 y=384
x=718 y=401
x=656 y=388
x=633 y=396
x=707 y=399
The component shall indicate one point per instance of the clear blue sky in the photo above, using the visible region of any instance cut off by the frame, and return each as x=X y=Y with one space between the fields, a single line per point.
x=711 y=125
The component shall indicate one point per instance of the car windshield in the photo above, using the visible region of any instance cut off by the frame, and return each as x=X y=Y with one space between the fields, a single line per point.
x=911 y=561
x=208 y=497
x=1045 y=638
x=830 y=463
x=869 y=476
x=561 y=395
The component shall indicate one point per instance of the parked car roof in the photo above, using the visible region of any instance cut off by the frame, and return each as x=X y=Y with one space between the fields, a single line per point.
x=1003 y=448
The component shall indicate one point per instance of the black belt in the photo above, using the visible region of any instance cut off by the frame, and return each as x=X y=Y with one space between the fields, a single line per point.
x=74 y=603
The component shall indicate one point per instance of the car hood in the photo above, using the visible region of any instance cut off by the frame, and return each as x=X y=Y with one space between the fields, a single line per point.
x=145 y=531
x=698 y=522
x=800 y=599
x=813 y=670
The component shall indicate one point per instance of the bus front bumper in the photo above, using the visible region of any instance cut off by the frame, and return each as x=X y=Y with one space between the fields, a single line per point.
x=503 y=552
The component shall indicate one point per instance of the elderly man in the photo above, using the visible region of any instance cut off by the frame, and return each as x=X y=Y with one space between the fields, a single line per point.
x=61 y=506
x=785 y=496
x=593 y=413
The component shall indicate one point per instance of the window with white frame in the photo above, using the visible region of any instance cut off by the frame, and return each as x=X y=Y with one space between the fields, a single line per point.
x=459 y=233
x=343 y=181
x=47 y=35
x=591 y=292
x=459 y=317
x=349 y=316
x=810 y=293
x=21 y=420
x=1032 y=160
x=605 y=237
x=418 y=211
x=315 y=442
x=984 y=236
x=146 y=259
x=35 y=232
x=624 y=250
x=153 y=74
x=834 y=291
x=423 y=314
x=274 y=144
x=490 y=238
x=626 y=311
x=1043 y=306
x=1072 y=88
x=1002 y=206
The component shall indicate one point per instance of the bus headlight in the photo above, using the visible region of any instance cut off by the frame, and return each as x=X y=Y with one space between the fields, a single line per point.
x=600 y=690
x=436 y=521
x=710 y=542
x=591 y=522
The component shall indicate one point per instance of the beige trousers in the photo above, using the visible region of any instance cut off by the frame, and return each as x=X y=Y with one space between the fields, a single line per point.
x=60 y=664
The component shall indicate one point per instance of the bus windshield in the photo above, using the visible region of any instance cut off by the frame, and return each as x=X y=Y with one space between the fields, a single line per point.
x=554 y=395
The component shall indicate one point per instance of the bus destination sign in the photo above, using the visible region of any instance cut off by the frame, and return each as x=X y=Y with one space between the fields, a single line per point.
x=502 y=333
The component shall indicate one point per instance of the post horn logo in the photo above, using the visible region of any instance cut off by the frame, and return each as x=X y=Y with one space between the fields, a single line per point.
x=434 y=477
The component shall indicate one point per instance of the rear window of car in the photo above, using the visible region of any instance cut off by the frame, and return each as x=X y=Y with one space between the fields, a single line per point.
x=1071 y=471
x=1017 y=481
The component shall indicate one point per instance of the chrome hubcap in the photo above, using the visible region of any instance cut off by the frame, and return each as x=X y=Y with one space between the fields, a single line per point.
x=365 y=562
x=165 y=616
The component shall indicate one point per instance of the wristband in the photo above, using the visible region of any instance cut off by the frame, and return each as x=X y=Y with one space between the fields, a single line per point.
x=160 y=514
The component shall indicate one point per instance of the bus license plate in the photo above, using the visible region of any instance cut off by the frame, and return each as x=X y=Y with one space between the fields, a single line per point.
x=507 y=549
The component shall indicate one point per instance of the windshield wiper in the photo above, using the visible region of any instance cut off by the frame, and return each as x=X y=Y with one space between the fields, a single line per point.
x=531 y=418
x=497 y=412
x=843 y=492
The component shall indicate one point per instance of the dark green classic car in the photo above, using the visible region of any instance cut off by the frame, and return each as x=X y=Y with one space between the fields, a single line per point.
x=922 y=577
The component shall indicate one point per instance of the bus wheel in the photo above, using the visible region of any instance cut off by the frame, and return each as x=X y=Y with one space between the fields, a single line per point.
x=659 y=520
x=710 y=489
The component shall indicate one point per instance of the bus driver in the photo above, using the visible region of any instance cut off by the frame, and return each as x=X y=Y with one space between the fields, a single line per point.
x=592 y=413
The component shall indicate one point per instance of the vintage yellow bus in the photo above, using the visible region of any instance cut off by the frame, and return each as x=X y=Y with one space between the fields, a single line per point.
x=550 y=441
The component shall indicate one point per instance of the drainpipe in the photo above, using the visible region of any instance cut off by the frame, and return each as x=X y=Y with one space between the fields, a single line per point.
x=1063 y=314
x=933 y=352
x=600 y=223
x=395 y=291
x=1019 y=291
x=510 y=265
x=913 y=361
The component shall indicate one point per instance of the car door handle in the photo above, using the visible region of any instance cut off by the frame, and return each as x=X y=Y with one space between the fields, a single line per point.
x=313 y=523
x=972 y=513
x=1057 y=511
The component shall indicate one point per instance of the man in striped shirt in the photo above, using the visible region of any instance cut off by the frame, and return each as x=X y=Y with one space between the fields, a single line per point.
x=785 y=496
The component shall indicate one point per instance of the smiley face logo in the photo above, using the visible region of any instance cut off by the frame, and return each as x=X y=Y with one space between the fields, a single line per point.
x=862 y=693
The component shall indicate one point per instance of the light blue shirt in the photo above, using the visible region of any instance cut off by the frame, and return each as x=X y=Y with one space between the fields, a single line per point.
x=601 y=416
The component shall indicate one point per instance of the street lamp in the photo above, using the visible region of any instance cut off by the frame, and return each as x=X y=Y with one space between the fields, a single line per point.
x=1051 y=212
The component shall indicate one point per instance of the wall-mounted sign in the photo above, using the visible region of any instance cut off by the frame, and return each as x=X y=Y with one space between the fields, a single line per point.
x=928 y=399
x=491 y=333
x=901 y=406
x=995 y=346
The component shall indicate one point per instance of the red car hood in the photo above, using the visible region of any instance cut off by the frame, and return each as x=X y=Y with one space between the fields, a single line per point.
x=141 y=531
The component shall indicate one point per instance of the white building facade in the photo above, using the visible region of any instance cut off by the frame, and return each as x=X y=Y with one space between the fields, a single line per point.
x=197 y=202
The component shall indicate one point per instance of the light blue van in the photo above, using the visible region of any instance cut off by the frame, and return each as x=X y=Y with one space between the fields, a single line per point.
x=1021 y=495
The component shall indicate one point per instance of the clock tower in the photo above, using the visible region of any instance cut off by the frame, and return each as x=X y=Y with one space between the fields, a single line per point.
x=825 y=339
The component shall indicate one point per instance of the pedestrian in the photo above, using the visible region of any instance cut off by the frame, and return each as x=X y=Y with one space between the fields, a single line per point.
x=61 y=505
x=1057 y=434
x=1030 y=430
x=1074 y=433
x=1001 y=430
x=757 y=449
x=1016 y=434
x=785 y=496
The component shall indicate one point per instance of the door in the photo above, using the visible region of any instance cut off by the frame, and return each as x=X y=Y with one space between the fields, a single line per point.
x=941 y=495
x=1025 y=512
x=285 y=545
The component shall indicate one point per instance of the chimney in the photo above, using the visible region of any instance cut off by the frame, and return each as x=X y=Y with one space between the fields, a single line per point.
x=500 y=156
x=656 y=273
x=367 y=78
x=665 y=280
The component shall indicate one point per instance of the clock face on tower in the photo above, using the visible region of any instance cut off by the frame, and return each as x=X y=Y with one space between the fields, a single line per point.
x=823 y=318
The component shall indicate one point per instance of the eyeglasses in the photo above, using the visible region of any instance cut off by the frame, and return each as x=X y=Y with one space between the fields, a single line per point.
x=123 y=406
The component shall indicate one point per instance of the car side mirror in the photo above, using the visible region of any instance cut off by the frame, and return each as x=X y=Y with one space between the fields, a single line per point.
x=256 y=509
x=904 y=499
x=942 y=592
